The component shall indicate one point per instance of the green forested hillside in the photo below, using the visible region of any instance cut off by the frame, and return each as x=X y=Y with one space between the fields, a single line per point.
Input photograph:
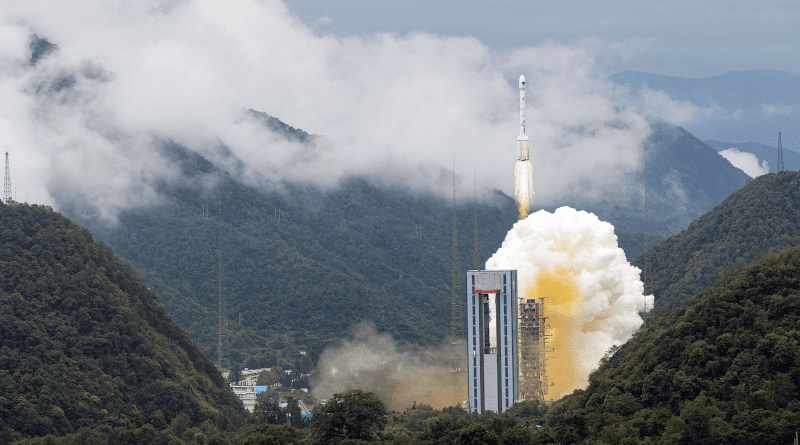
x=83 y=344
x=301 y=268
x=758 y=219
x=723 y=369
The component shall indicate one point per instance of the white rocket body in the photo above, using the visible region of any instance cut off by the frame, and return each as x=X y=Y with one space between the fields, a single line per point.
x=523 y=169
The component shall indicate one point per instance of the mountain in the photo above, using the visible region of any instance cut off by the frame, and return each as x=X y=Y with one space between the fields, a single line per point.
x=685 y=179
x=756 y=220
x=743 y=106
x=722 y=369
x=791 y=158
x=84 y=345
x=300 y=267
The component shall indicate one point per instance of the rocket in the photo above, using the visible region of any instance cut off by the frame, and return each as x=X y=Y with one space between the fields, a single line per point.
x=523 y=153
x=523 y=169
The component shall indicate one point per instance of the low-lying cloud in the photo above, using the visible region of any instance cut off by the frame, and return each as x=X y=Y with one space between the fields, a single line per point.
x=86 y=120
x=746 y=162
x=773 y=109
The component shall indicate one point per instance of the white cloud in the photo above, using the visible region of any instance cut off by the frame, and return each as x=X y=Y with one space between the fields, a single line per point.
x=398 y=107
x=773 y=109
x=746 y=162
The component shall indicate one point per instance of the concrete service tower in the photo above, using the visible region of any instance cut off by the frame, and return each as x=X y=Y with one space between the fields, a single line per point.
x=523 y=169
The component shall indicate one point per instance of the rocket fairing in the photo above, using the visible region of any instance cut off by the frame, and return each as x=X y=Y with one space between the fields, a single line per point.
x=523 y=169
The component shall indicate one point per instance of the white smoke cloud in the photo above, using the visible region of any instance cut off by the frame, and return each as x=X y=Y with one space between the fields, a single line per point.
x=593 y=296
x=398 y=107
x=773 y=109
x=746 y=162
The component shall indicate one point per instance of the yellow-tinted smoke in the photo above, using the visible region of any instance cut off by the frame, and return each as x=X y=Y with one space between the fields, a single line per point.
x=561 y=295
x=523 y=211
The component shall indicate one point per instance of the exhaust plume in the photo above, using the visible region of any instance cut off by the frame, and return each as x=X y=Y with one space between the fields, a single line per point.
x=523 y=186
x=593 y=296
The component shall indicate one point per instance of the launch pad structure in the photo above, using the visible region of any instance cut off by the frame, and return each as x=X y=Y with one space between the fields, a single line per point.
x=532 y=339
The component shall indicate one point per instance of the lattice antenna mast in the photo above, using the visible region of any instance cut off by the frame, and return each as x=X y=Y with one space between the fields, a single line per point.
x=475 y=253
x=7 y=184
x=646 y=241
x=455 y=311
x=220 y=311
x=780 y=154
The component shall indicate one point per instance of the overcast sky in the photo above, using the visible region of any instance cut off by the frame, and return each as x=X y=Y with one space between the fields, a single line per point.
x=681 y=37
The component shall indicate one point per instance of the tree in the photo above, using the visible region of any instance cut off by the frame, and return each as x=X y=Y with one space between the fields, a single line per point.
x=271 y=435
x=267 y=410
x=356 y=415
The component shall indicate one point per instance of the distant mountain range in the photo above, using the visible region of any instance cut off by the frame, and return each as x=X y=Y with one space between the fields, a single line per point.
x=755 y=104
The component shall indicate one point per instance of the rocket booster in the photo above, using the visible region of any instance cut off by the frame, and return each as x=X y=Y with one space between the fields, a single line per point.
x=523 y=152
x=523 y=169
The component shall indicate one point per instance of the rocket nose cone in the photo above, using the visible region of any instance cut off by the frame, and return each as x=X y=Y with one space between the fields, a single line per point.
x=521 y=82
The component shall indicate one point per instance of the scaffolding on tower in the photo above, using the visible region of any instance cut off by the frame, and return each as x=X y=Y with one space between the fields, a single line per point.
x=533 y=335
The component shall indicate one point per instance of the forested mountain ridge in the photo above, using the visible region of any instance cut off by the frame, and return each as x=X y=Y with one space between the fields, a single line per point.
x=722 y=369
x=301 y=266
x=83 y=344
x=758 y=219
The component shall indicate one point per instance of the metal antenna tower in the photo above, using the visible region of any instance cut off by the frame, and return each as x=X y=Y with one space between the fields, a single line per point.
x=780 y=154
x=7 y=184
x=220 y=313
x=455 y=312
x=646 y=241
x=475 y=253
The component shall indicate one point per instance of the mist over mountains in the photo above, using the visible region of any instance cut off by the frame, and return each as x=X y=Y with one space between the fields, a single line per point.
x=734 y=107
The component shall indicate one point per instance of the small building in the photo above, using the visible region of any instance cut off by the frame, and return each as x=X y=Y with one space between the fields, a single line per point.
x=246 y=391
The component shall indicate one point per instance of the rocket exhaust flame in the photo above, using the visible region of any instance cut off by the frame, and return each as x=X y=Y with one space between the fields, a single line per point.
x=593 y=295
x=523 y=170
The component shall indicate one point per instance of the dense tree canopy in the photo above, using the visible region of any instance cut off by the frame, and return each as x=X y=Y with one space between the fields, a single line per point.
x=84 y=344
x=760 y=218
x=355 y=415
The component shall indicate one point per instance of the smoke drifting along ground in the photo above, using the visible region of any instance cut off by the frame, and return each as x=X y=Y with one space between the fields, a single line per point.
x=593 y=296
x=374 y=362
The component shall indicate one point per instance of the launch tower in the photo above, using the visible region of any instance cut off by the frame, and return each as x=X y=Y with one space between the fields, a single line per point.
x=492 y=357
x=532 y=349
